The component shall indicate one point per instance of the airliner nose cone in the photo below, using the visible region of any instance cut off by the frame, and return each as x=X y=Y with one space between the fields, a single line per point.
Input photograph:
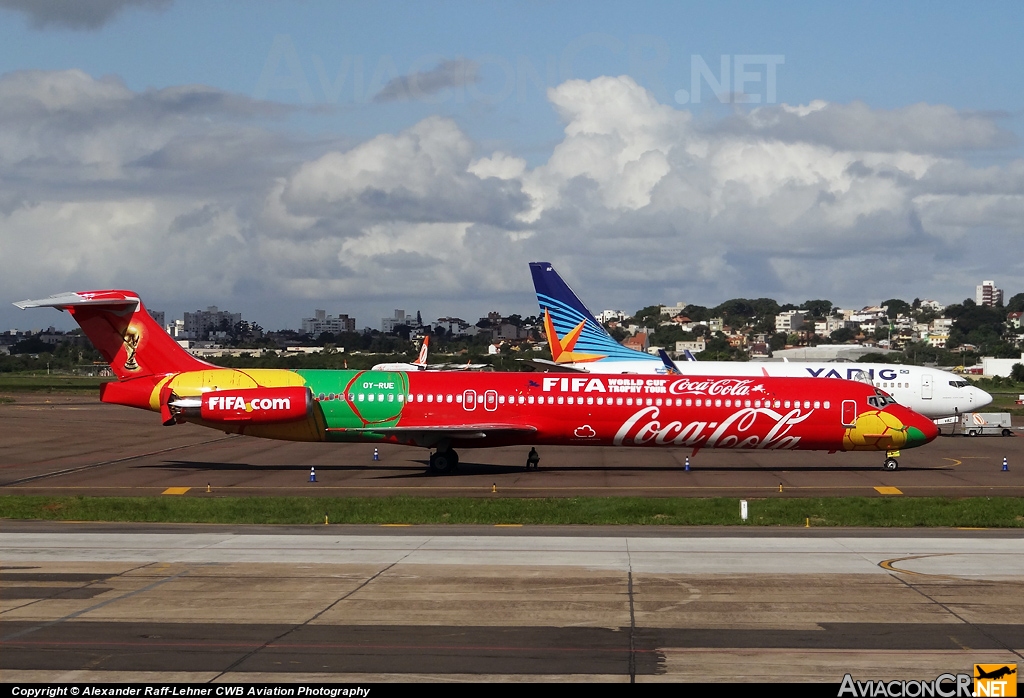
x=921 y=431
x=981 y=398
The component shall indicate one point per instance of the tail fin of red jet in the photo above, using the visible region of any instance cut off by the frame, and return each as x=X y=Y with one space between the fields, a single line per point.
x=123 y=331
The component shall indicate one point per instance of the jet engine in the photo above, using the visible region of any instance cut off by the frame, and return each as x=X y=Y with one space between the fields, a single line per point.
x=248 y=405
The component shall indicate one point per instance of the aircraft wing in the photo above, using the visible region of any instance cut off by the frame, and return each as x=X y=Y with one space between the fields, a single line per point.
x=482 y=426
x=456 y=431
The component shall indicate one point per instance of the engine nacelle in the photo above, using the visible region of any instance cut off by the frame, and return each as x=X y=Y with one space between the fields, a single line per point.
x=256 y=405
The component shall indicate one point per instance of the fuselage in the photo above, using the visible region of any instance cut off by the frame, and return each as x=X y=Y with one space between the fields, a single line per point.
x=930 y=392
x=436 y=408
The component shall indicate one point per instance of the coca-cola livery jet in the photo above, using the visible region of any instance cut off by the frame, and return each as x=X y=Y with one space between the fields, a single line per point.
x=443 y=410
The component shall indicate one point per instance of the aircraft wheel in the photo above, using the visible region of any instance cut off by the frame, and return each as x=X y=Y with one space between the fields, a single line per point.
x=891 y=464
x=972 y=433
x=1007 y=432
x=443 y=462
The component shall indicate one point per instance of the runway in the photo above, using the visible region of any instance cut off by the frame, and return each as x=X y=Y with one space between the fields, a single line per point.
x=223 y=604
x=76 y=445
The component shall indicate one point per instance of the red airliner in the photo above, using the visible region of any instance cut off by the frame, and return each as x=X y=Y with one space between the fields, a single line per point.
x=442 y=410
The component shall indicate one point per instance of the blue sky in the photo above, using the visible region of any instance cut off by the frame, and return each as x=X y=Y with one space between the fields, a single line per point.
x=503 y=83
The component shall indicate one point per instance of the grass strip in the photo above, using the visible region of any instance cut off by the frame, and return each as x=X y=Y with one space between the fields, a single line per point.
x=57 y=383
x=987 y=512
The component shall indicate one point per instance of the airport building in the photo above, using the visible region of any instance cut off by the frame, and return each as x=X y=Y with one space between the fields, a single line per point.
x=826 y=352
x=992 y=366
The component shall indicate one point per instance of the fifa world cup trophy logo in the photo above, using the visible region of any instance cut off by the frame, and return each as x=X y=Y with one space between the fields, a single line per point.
x=131 y=343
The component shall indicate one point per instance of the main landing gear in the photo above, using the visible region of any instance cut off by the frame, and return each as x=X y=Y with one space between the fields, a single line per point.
x=444 y=462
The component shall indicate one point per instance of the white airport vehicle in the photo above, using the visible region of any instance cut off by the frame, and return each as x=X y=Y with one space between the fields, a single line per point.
x=986 y=424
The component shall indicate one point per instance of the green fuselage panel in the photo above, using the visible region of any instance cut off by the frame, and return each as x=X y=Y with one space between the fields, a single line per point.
x=358 y=399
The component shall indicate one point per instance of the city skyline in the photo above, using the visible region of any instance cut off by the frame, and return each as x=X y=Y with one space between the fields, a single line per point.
x=995 y=296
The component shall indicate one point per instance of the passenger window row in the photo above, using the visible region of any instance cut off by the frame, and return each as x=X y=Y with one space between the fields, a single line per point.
x=574 y=400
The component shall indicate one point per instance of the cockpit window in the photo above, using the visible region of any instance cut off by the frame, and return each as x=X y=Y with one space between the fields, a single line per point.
x=880 y=400
x=959 y=384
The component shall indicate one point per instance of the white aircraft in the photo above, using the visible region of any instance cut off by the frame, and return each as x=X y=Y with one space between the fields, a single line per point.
x=420 y=364
x=578 y=342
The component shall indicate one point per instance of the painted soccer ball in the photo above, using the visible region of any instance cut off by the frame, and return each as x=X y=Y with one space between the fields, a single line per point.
x=875 y=431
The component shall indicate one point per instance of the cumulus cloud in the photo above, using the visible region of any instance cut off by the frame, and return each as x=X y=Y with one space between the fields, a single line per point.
x=107 y=186
x=458 y=73
x=917 y=128
x=77 y=14
x=61 y=127
x=193 y=194
x=421 y=174
x=784 y=201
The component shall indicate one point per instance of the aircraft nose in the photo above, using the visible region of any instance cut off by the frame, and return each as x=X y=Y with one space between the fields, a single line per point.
x=920 y=429
x=981 y=398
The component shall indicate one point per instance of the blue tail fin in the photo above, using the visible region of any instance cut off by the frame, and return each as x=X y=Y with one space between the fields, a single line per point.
x=573 y=333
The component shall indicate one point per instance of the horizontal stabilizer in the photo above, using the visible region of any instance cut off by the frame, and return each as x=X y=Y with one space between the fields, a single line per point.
x=123 y=332
x=68 y=298
x=551 y=366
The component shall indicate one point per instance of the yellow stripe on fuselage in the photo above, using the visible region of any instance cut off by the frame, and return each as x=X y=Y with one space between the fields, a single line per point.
x=196 y=383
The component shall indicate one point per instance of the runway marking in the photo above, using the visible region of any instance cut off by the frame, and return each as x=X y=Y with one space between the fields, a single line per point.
x=888 y=565
x=176 y=490
x=508 y=525
x=962 y=645
x=884 y=490
x=395 y=525
x=955 y=462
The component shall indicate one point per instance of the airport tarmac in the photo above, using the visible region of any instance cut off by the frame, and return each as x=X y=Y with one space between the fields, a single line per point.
x=223 y=604
x=77 y=445
x=119 y=602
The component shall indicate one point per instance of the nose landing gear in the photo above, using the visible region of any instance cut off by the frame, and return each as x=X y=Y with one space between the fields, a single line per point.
x=890 y=460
